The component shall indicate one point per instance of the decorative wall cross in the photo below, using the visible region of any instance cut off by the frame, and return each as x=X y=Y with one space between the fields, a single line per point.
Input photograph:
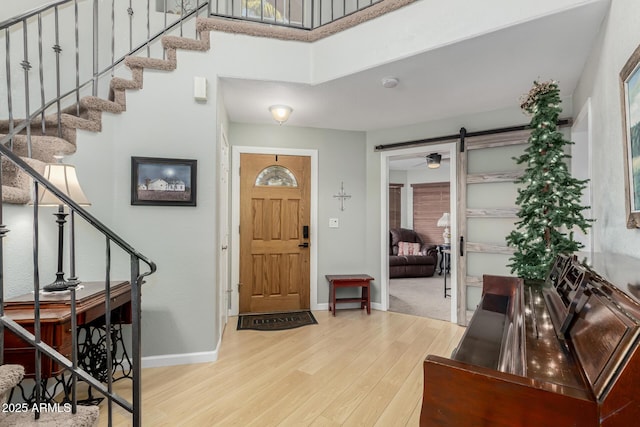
x=342 y=196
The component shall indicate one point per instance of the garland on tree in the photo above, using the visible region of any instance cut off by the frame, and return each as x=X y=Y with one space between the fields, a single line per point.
x=549 y=200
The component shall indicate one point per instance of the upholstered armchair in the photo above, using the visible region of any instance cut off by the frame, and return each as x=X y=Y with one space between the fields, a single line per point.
x=409 y=256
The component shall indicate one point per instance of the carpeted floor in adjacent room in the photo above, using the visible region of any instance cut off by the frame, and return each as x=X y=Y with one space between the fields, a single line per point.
x=420 y=296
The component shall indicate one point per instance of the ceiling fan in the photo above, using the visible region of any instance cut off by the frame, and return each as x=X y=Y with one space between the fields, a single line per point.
x=433 y=160
x=430 y=161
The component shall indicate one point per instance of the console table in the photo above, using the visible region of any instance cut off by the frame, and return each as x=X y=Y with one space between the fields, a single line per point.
x=446 y=253
x=445 y=258
x=349 y=281
x=55 y=323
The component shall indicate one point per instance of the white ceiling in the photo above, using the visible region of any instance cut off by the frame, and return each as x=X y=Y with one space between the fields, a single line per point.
x=485 y=73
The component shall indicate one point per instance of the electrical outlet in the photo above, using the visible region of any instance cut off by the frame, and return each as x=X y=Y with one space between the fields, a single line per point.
x=334 y=223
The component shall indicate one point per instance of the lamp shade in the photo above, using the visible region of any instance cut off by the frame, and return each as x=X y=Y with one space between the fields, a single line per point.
x=64 y=177
x=280 y=113
x=444 y=220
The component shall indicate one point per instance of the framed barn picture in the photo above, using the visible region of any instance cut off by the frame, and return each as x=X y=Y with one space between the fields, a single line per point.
x=630 y=88
x=163 y=182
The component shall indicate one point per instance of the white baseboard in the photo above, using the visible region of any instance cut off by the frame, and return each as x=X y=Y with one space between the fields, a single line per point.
x=377 y=306
x=180 y=359
x=321 y=306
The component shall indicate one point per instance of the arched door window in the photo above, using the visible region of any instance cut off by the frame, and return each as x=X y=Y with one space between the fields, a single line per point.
x=276 y=176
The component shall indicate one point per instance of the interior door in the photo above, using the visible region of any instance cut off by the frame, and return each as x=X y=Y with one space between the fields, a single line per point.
x=486 y=211
x=274 y=232
x=224 y=284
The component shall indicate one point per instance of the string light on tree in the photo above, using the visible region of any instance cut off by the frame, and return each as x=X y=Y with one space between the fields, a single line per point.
x=549 y=209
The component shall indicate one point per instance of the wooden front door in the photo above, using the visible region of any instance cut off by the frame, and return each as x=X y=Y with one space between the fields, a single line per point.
x=274 y=232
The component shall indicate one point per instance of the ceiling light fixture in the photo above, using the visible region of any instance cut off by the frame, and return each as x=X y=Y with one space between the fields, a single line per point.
x=433 y=160
x=280 y=113
x=390 y=82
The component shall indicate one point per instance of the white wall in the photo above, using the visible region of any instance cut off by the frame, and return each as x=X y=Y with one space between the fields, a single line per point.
x=13 y=8
x=600 y=81
x=439 y=24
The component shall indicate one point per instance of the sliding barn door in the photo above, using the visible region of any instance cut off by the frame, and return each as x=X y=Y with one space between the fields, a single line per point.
x=486 y=211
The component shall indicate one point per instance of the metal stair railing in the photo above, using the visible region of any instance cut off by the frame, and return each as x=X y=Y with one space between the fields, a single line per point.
x=114 y=34
x=34 y=339
x=301 y=14
x=65 y=15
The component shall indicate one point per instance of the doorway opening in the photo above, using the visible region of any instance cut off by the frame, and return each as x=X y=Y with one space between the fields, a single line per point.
x=416 y=197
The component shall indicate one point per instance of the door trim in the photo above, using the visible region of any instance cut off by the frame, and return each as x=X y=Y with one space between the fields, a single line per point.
x=235 y=218
x=223 y=229
x=384 y=214
x=582 y=168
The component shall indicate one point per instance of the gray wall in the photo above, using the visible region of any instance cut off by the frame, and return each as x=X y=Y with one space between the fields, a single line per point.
x=600 y=81
x=181 y=240
x=341 y=158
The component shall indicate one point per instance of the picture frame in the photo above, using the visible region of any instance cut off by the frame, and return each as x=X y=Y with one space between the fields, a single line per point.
x=630 y=97
x=163 y=182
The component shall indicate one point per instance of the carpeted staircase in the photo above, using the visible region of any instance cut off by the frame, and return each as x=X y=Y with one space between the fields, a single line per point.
x=10 y=376
x=16 y=186
x=16 y=189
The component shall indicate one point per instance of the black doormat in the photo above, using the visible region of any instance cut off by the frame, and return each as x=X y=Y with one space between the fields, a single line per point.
x=276 y=321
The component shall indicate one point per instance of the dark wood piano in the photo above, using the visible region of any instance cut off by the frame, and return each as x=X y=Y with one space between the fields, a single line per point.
x=562 y=353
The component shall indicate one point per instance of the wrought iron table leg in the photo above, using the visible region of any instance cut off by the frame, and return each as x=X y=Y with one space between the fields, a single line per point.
x=92 y=357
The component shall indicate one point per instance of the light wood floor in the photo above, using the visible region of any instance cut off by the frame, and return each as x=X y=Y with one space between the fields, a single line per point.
x=351 y=369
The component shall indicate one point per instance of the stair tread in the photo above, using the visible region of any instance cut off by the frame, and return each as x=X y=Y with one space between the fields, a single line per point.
x=153 y=63
x=177 y=42
x=10 y=376
x=15 y=195
x=94 y=102
x=44 y=147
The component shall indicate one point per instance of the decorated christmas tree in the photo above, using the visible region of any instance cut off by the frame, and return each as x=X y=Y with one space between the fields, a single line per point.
x=549 y=198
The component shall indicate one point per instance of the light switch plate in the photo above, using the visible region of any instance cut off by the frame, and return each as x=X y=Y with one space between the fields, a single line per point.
x=334 y=223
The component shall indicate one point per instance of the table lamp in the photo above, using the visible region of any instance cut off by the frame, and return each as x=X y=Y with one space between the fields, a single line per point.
x=64 y=177
x=445 y=222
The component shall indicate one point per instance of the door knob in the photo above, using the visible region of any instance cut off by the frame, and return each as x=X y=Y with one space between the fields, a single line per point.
x=303 y=245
